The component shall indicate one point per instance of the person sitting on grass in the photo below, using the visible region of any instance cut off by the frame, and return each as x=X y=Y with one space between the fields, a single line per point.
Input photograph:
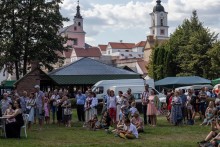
x=213 y=135
x=106 y=120
x=94 y=123
x=129 y=131
x=138 y=122
x=209 y=117
x=133 y=109
x=120 y=124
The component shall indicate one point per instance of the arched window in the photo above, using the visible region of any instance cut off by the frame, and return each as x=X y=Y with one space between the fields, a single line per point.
x=75 y=28
x=79 y=23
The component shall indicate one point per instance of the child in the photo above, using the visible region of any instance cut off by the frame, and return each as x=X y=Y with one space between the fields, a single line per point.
x=120 y=124
x=129 y=131
x=106 y=120
x=9 y=111
x=67 y=111
x=94 y=123
x=209 y=117
x=47 y=110
x=133 y=109
x=138 y=122
x=189 y=108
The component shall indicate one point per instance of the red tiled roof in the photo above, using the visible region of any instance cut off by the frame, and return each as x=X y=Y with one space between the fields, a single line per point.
x=68 y=53
x=88 y=52
x=121 y=45
x=141 y=44
x=103 y=47
x=143 y=64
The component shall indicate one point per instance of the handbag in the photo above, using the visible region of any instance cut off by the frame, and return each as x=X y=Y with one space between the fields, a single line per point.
x=67 y=111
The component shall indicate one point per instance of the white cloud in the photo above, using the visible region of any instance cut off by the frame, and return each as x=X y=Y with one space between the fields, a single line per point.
x=131 y=15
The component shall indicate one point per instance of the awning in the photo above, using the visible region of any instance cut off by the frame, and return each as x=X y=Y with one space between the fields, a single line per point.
x=216 y=81
x=8 y=84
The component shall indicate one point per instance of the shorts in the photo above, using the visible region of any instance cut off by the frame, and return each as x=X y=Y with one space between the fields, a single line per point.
x=39 y=113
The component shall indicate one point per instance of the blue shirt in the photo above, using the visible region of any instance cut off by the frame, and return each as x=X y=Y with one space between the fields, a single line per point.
x=80 y=99
x=183 y=99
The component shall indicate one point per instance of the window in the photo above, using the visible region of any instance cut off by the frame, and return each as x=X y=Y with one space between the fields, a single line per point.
x=162 y=32
x=79 y=23
x=153 y=32
x=161 y=22
x=130 y=55
x=75 y=28
x=99 y=90
x=75 y=41
x=122 y=54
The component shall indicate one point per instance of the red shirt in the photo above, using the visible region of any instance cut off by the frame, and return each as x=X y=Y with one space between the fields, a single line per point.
x=169 y=104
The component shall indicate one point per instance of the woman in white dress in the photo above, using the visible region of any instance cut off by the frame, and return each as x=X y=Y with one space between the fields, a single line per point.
x=119 y=102
x=88 y=110
x=30 y=105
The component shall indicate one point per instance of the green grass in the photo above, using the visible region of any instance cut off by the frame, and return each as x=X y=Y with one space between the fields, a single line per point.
x=161 y=136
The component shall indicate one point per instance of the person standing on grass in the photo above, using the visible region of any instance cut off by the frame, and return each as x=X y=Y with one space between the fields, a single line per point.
x=30 y=107
x=80 y=102
x=104 y=102
x=144 y=100
x=183 y=107
x=130 y=97
x=5 y=103
x=66 y=105
x=39 y=105
x=94 y=104
x=153 y=107
x=59 y=108
x=88 y=110
x=176 y=111
x=53 y=102
x=23 y=99
x=47 y=110
x=203 y=97
x=119 y=104
x=111 y=106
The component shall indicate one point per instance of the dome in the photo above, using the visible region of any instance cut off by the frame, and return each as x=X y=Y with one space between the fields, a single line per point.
x=158 y=7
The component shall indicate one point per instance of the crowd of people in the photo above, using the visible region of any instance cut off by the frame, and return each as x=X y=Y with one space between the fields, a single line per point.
x=119 y=113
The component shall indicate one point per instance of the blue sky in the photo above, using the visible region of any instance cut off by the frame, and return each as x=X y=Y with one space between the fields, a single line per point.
x=128 y=20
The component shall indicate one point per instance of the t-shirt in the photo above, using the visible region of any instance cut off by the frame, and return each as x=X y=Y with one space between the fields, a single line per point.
x=39 y=99
x=133 y=110
x=131 y=129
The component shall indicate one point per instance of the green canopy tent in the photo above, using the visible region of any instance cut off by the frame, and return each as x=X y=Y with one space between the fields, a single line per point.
x=216 y=81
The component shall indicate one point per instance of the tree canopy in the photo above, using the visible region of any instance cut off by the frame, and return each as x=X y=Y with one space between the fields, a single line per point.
x=191 y=50
x=29 y=32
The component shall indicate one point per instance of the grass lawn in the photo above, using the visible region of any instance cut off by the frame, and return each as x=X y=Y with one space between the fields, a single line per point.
x=161 y=136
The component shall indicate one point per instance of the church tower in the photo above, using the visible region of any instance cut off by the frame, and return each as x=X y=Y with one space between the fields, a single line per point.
x=75 y=32
x=159 y=26
x=79 y=40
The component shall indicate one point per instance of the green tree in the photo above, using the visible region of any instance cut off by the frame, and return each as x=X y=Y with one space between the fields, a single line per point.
x=189 y=51
x=29 y=31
